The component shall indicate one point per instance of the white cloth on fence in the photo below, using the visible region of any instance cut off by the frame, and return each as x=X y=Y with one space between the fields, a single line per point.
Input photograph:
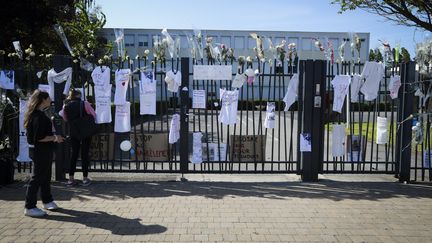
x=147 y=86
x=23 y=152
x=122 y=118
x=103 y=104
x=372 y=72
x=292 y=92
x=340 y=85
x=7 y=79
x=228 y=112
x=338 y=140
x=54 y=77
x=382 y=130
x=356 y=83
x=270 y=118
x=394 y=85
x=174 y=133
x=173 y=80
x=101 y=76
x=122 y=77
x=197 y=148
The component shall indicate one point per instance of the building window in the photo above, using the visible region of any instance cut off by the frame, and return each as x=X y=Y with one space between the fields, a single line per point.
x=143 y=41
x=129 y=40
x=307 y=44
x=278 y=40
x=251 y=43
x=184 y=42
x=226 y=40
x=239 y=42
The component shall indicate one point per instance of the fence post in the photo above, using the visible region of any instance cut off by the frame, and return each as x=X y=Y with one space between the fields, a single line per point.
x=405 y=129
x=59 y=64
x=184 y=116
x=313 y=78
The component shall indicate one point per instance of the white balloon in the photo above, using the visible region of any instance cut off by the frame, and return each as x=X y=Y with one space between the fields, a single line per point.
x=125 y=145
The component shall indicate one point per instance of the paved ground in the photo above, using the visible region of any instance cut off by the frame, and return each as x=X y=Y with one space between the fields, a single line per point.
x=225 y=208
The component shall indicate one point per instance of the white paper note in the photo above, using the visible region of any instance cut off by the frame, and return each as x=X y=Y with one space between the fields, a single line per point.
x=199 y=99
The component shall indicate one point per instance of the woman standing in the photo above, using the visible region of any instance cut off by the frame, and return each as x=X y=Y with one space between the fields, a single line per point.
x=75 y=108
x=40 y=134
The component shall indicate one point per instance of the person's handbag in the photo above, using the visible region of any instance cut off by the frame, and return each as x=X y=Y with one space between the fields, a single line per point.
x=84 y=126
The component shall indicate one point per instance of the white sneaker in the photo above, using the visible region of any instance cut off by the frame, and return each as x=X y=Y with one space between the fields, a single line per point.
x=51 y=206
x=34 y=212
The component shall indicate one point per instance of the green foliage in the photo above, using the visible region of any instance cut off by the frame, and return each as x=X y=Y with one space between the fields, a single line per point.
x=378 y=55
x=371 y=55
x=83 y=30
x=405 y=55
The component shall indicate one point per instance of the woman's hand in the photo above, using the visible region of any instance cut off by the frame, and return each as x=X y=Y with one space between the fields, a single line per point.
x=58 y=139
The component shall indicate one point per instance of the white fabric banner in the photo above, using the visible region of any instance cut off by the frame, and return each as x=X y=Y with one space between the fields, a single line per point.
x=174 y=133
x=122 y=77
x=147 y=86
x=338 y=140
x=122 y=118
x=23 y=155
x=197 y=148
x=212 y=72
x=292 y=92
x=382 y=130
x=103 y=104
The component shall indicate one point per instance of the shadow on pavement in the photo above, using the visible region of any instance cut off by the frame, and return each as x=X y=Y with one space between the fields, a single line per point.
x=117 y=225
x=326 y=189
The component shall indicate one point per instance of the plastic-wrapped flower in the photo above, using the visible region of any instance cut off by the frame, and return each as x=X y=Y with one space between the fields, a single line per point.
x=259 y=50
x=106 y=57
x=241 y=60
x=318 y=44
x=292 y=51
x=32 y=54
x=100 y=61
x=75 y=60
x=248 y=59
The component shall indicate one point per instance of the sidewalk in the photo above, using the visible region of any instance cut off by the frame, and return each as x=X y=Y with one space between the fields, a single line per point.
x=225 y=208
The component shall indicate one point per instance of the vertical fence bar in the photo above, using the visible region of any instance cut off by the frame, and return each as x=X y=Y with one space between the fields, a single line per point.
x=184 y=120
x=405 y=133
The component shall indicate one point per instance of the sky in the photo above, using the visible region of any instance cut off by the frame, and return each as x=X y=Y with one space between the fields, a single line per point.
x=255 y=15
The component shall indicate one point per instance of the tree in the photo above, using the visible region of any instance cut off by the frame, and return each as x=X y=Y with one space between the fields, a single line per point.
x=415 y=13
x=371 y=55
x=405 y=55
x=378 y=55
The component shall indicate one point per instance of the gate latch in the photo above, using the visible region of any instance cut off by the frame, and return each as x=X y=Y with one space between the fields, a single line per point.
x=317 y=101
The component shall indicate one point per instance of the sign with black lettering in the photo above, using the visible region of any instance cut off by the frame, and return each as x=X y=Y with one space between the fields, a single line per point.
x=247 y=147
x=150 y=147
x=102 y=147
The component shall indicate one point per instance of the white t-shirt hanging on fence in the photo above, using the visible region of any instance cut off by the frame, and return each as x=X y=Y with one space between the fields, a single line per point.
x=101 y=76
x=356 y=83
x=174 y=133
x=382 y=130
x=147 y=86
x=373 y=72
x=173 y=80
x=7 y=79
x=122 y=118
x=338 y=140
x=341 y=86
x=292 y=92
x=394 y=85
x=23 y=155
x=270 y=118
x=228 y=112
x=103 y=104
x=122 y=77
x=54 y=77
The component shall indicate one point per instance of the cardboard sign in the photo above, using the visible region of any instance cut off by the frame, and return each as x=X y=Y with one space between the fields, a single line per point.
x=212 y=72
x=247 y=147
x=102 y=147
x=150 y=147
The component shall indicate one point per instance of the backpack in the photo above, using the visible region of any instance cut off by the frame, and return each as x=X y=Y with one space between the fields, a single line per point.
x=84 y=126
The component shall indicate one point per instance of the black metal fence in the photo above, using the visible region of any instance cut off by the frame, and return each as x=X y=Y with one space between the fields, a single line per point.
x=248 y=146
